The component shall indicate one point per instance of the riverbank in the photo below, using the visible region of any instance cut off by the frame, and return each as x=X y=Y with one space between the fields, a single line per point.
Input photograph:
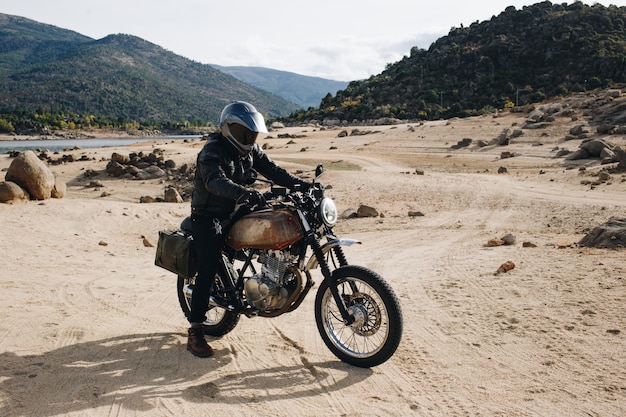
x=91 y=327
x=99 y=134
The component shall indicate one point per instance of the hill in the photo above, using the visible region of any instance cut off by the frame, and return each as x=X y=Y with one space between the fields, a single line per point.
x=518 y=57
x=305 y=91
x=119 y=77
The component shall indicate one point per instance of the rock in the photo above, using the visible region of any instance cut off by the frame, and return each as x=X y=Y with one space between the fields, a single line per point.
x=620 y=156
x=115 y=169
x=516 y=133
x=10 y=192
x=534 y=126
x=416 y=214
x=150 y=173
x=505 y=138
x=506 y=267
x=172 y=195
x=132 y=170
x=146 y=242
x=502 y=170
x=607 y=155
x=605 y=128
x=147 y=199
x=419 y=171
x=349 y=214
x=528 y=245
x=535 y=116
x=604 y=176
x=59 y=190
x=463 y=143
x=578 y=154
x=594 y=147
x=30 y=173
x=508 y=239
x=367 y=211
x=120 y=159
x=495 y=242
x=610 y=235
x=578 y=130
x=562 y=152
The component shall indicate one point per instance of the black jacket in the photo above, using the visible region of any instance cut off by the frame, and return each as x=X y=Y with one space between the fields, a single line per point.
x=220 y=174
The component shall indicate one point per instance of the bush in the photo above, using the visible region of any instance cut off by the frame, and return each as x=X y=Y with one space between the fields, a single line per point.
x=6 y=126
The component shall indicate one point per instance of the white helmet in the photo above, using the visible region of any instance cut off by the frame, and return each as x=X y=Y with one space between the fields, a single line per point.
x=240 y=124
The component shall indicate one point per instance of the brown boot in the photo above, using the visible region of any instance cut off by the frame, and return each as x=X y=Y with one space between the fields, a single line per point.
x=196 y=343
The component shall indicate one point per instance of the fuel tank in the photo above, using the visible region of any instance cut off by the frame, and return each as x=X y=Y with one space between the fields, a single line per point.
x=265 y=229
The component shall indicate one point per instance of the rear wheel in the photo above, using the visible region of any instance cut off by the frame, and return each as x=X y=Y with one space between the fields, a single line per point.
x=219 y=320
x=375 y=335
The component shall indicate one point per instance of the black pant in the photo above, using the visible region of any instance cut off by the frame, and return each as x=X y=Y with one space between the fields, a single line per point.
x=208 y=246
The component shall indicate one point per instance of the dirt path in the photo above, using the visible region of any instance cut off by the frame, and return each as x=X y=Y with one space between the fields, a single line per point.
x=92 y=328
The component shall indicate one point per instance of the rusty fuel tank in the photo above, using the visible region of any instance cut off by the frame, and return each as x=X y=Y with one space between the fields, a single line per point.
x=265 y=229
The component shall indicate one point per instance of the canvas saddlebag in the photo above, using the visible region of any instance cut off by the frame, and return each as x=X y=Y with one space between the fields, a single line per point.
x=175 y=253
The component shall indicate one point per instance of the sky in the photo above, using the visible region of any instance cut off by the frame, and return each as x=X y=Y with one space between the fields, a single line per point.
x=332 y=39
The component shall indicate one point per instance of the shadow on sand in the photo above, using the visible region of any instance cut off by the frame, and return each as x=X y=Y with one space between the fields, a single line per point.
x=141 y=372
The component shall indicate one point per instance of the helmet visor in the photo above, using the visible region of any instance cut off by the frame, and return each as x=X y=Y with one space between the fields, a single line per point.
x=242 y=134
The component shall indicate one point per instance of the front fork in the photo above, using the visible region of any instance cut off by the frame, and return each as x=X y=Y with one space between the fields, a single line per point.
x=328 y=275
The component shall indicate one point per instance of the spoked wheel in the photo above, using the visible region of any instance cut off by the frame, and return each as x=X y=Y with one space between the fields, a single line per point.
x=219 y=320
x=376 y=332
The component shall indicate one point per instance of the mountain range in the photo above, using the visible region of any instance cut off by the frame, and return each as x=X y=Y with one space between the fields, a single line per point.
x=518 y=57
x=117 y=77
x=303 y=90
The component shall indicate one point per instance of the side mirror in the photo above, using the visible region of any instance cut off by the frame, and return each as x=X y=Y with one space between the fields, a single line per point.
x=319 y=170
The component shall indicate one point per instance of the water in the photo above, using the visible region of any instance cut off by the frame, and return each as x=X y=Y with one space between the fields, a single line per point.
x=58 y=145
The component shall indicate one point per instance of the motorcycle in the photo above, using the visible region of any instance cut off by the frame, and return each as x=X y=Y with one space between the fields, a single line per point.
x=357 y=313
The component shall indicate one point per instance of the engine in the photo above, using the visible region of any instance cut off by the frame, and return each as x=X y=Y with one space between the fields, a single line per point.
x=271 y=289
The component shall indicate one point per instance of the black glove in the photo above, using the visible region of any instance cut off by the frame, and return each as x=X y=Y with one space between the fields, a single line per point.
x=252 y=199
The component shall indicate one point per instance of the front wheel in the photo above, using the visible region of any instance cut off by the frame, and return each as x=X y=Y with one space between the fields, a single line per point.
x=376 y=332
x=219 y=320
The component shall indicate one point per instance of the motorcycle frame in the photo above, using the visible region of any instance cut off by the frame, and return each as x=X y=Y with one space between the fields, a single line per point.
x=318 y=258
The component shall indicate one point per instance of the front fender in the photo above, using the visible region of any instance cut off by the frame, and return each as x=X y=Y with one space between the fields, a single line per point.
x=314 y=263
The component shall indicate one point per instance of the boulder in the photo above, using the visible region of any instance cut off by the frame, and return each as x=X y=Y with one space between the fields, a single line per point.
x=620 y=156
x=349 y=214
x=509 y=239
x=594 y=147
x=10 y=192
x=610 y=235
x=463 y=143
x=59 y=189
x=578 y=130
x=578 y=154
x=115 y=169
x=150 y=173
x=367 y=211
x=30 y=173
x=172 y=196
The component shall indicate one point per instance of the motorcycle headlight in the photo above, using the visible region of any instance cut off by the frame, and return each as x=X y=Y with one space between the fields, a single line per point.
x=328 y=212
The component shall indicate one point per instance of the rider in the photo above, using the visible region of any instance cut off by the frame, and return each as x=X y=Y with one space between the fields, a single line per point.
x=219 y=185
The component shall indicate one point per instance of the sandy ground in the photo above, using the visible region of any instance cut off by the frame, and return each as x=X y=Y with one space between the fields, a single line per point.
x=90 y=327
